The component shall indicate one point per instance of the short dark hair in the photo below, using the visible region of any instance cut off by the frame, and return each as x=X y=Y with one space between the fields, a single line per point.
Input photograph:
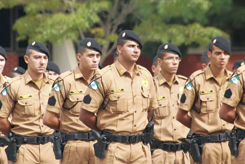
x=154 y=61
x=210 y=47
x=121 y=42
x=28 y=52
x=81 y=50
x=160 y=54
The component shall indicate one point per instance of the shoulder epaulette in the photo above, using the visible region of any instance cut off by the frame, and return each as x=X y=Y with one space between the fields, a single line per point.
x=104 y=70
x=65 y=74
x=182 y=77
x=12 y=80
x=143 y=68
x=196 y=73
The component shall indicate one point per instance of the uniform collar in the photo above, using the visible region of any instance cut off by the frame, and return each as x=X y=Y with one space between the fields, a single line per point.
x=209 y=74
x=28 y=78
x=121 y=70
x=162 y=80
x=77 y=73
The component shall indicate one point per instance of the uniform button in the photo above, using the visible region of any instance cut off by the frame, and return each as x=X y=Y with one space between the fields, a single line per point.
x=223 y=124
x=42 y=114
x=173 y=117
x=174 y=129
x=171 y=92
x=208 y=98
x=173 y=105
x=135 y=111
x=160 y=104
x=42 y=103
x=134 y=125
x=25 y=102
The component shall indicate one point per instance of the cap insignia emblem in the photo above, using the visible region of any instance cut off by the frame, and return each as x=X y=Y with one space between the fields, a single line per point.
x=89 y=44
x=15 y=68
x=33 y=43
x=242 y=63
x=166 y=47
x=214 y=41
x=123 y=34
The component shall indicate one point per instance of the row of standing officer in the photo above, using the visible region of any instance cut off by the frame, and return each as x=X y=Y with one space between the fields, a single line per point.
x=117 y=102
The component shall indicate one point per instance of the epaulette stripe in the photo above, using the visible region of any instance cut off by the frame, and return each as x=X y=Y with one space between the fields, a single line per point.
x=182 y=77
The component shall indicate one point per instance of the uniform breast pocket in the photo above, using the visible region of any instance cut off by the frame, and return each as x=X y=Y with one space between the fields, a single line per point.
x=73 y=103
x=118 y=103
x=27 y=107
x=208 y=103
x=145 y=99
x=162 y=111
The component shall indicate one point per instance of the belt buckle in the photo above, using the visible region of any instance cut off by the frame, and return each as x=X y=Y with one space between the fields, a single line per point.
x=132 y=139
x=222 y=137
x=40 y=139
x=173 y=147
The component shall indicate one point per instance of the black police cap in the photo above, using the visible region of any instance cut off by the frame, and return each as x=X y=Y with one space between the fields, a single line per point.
x=130 y=35
x=18 y=70
x=91 y=44
x=238 y=63
x=222 y=43
x=53 y=67
x=168 y=47
x=38 y=46
x=3 y=52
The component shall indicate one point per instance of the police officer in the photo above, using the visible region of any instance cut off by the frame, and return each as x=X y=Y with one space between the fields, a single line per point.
x=3 y=79
x=65 y=103
x=155 y=68
x=237 y=64
x=205 y=59
x=53 y=69
x=118 y=102
x=26 y=97
x=17 y=71
x=232 y=110
x=169 y=134
x=202 y=97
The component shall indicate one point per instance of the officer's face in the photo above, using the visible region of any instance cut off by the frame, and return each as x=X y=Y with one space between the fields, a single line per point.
x=89 y=60
x=218 y=58
x=52 y=73
x=129 y=52
x=36 y=61
x=2 y=63
x=169 y=63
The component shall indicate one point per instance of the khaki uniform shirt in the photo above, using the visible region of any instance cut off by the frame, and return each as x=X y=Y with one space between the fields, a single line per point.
x=127 y=99
x=203 y=87
x=27 y=103
x=69 y=95
x=166 y=127
x=3 y=79
x=235 y=96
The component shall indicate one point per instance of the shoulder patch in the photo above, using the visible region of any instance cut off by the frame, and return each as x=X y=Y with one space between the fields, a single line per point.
x=4 y=91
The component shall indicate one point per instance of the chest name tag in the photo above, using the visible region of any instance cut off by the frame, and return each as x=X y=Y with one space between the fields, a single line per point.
x=161 y=98
x=206 y=92
x=117 y=90
x=73 y=92
x=21 y=97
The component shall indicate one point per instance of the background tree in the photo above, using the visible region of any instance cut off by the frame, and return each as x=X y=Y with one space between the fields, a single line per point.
x=182 y=22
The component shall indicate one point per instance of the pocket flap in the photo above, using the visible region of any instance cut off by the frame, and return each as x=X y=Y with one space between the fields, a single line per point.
x=24 y=102
x=162 y=103
x=115 y=97
x=208 y=97
x=76 y=97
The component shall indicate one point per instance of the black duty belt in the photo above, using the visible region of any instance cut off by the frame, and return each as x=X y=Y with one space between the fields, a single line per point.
x=4 y=141
x=221 y=137
x=33 y=140
x=125 y=138
x=169 y=146
x=78 y=136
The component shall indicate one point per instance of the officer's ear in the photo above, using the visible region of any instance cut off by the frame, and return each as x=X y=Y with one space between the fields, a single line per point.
x=79 y=57
x=119 y=49
x=159 y=61
x=209 y=54
x=26 y=58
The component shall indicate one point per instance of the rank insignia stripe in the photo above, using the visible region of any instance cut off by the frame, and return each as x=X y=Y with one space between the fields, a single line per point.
x=204 y=92
x=117 y=90
x=21 y=97
x=72 y=92
x=161 y=98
